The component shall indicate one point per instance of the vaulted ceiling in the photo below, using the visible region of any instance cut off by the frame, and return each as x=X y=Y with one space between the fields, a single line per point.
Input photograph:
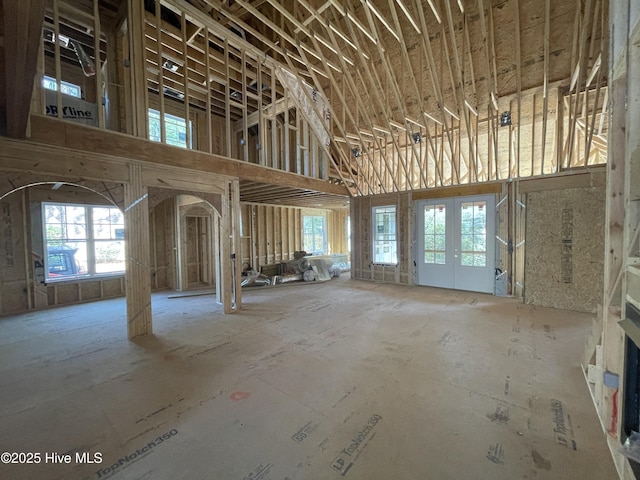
x=421 y=93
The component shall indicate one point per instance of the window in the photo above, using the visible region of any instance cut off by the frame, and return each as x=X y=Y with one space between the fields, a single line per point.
x=314 y=236
x=384 y=235
x=435 y=217
x=175 y=129
x=349 y=233
x=65 y=87
x=473 y=234
x=82 y=240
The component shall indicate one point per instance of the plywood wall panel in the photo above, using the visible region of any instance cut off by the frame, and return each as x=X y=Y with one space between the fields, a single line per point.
x=90 y=291
x=565 y=244
x=113 y=287
x=13 y=279
x=67 y=293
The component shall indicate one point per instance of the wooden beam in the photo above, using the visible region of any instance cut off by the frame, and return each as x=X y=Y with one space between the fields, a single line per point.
x=545 y=106
x=414 y=155
x=59 y=133
x=339 y=124
x=398 y=96
x=457 y=191
x=518 y=87
x=592 y=177
x=22 y=39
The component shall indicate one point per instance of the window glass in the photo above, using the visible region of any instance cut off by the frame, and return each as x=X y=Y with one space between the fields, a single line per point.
x=473 y=234
x=434 y=234
x=175 y=129
x=384 y=235
x=314 y=237
x=83 y=240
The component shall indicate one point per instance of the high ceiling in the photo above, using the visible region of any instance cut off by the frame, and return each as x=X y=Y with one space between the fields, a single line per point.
x=419 y=93
x=417 y=88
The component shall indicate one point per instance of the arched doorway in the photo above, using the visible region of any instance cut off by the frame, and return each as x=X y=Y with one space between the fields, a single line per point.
x=63 y=240
x=199 y=227
x=185 y=236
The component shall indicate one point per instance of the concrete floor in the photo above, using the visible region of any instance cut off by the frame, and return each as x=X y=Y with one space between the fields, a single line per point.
x=346 y=378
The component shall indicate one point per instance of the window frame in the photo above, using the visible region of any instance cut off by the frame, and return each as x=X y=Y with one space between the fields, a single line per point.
x=90 y=239
x=169 y=119
x=314 y=234
x=392 y=244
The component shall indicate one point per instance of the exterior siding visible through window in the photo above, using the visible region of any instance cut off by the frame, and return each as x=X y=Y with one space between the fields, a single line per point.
x=384 y=235
x=82 y=240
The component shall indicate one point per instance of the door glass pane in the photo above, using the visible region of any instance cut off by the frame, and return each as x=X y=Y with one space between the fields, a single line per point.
x=473 y=230
x=434 y=234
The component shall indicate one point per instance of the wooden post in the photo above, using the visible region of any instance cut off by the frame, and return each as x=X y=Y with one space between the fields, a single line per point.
x=137 y=69
x=137 y=246
x=185 y=77
x=226 y=265
x=163 y=129
x=237 y=264
x=22 y=39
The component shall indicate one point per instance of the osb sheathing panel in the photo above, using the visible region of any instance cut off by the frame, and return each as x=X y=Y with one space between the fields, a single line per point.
x=565 y=248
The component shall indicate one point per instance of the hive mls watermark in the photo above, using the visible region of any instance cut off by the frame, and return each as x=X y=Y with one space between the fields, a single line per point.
x=25 y=458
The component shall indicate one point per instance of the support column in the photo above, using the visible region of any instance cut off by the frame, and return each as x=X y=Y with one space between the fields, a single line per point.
x=226 y=262
x=137 y=246
x=236 y=249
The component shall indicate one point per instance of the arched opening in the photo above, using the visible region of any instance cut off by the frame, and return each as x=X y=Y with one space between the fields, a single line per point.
x=199 y=224
x=185 y=242
x=63 y=242
x=179 y=248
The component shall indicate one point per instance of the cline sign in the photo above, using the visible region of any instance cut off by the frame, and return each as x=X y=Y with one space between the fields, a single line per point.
x=73 y=109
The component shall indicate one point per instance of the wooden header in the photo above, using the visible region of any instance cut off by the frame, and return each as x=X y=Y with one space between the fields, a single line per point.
x=594 y=177
x=457 y=191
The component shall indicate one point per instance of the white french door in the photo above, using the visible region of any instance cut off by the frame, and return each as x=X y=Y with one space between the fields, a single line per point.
x=456 y=243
